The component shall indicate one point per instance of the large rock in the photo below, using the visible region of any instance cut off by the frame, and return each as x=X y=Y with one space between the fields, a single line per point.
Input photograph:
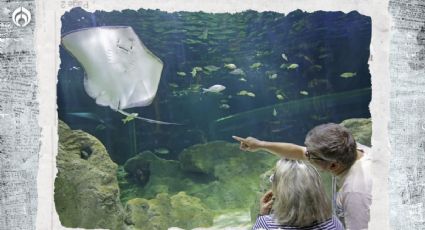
x=86 y=187
x=138 y=167
x=189 y=212
x=161 y=176
x=216 y=176
x=235 y=173
x=164 y=211
x=218 y=173
x=361 y=128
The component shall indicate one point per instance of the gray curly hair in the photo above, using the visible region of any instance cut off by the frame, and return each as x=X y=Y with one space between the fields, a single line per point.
x=300 y=199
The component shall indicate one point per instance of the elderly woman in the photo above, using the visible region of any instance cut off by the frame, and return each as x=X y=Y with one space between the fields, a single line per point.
x=297 y=200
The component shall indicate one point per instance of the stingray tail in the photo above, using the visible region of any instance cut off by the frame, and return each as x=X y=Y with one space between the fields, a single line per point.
x=148 y=120
x=157 y=122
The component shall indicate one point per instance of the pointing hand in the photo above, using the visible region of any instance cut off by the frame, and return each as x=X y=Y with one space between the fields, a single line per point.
x=248 y=144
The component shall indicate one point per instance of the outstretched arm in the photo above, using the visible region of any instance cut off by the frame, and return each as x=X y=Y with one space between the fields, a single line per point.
x=286 y=150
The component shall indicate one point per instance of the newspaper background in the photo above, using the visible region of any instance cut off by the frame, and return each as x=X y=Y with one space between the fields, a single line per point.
x=19 y=130
x=407 y=124
x=397 y=200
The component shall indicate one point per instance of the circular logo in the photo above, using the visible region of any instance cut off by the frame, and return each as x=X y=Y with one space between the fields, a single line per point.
x=21 y=17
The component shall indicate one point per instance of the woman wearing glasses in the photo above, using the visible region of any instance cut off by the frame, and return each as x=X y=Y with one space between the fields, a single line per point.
x=297 y=200
x=332 y=148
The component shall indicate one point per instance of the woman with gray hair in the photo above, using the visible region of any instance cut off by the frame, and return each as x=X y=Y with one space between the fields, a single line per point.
x=297 y=200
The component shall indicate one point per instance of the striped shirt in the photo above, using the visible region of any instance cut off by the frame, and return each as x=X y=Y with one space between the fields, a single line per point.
x=267 y=222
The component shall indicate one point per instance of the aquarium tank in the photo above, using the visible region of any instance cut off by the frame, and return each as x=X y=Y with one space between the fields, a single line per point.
x=148 y=102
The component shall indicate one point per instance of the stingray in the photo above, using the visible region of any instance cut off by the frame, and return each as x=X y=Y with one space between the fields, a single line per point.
x=120 y=72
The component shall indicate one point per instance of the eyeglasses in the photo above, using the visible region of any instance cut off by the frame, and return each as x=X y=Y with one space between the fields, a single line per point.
x=311 y=156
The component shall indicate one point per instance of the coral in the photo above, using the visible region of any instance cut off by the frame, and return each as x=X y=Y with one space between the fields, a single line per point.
x=86 y=187
x=361 y=128
x=164 y=211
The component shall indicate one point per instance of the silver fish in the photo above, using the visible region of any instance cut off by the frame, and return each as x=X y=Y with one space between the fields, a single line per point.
x=214 y=89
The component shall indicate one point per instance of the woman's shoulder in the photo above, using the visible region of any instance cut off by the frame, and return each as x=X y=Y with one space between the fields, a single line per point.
x=268 y=222
x=264 y=222
x=331 y=224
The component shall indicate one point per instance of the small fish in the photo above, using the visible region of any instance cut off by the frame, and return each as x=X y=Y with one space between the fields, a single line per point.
x=250 y=94
x=173 y=85
x=316 y=67
x=348 y=75
x=129 y=117
x=274 y=112
x=256 y=65
x=242 y=79
x=100 y=127
x=246 y=93
x=192 y=42
x=224 y=106
x=305 y=93
x=195 y=70
x=162 y=151
x=284 y=66
x=181 y=74
x=282 y=129
x=90 y=116
x=273 y=76
x=237 y=72
x=214 y=89
x=211 y=51
x=211 y=68
x=230 y=66
x=204 y=34
x=193 y=73
x=194 y=87
x=280 y=96
x=308 y=59
x=292 y=66
x=284 y=57
x=242 y=93
x=224 y=101
x=74 y=68
x=276 y=130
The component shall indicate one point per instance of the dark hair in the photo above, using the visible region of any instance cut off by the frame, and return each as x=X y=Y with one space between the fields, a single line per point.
x=332 y=142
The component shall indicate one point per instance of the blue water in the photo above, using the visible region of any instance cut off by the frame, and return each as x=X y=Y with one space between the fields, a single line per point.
x=323 y=45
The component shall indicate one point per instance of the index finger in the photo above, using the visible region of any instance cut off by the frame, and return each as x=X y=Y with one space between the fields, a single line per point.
x=240 y=139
